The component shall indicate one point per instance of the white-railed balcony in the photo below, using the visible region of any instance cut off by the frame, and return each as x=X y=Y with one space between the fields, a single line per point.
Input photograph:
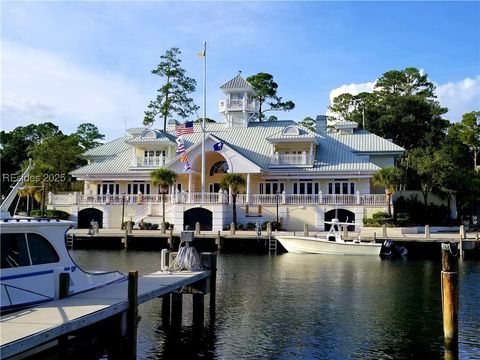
x=286 y=160
x=220 y=198
x=237 y=104
x=145 y=161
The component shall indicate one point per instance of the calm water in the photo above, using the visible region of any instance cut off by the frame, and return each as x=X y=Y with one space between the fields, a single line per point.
x=295 y=306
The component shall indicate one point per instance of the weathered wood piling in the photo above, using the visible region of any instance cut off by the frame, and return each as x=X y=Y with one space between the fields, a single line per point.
x=449 y=285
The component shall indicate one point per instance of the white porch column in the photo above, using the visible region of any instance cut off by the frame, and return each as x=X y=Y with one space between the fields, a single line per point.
x=358 y=197
x=248 y=189
x=320 y=197
x=284 y=197
x=190 y=187
x=311 y=153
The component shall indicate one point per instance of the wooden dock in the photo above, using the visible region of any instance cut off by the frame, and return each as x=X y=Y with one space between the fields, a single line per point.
x=32 y=327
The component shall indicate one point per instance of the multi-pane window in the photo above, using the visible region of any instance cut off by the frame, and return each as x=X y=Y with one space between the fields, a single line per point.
x=135 y=188
x=271 y=187
x=154 y=153
x=108 y=188
x=306 y=187
x=341 y=187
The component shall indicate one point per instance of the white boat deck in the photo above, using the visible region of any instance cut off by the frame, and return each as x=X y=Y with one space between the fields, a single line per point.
x=26 y=329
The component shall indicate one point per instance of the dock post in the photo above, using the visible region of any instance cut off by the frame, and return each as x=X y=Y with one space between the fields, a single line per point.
x=132 y=315
x=218 y=241
x=450 y=296
x=232 y=229
x=462 y=237
x=374 y=237
x=177 y=305
x=197 y=228
x=269 y=229
x=64 y=285
x=209 y=262
x=63 y=292
x=384 y=230
x=305 y=229
x=427 y=231
x=166 y=309
x=198 y=309
x=170 y=239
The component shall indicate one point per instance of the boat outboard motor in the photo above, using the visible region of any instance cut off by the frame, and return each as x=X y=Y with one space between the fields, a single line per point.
x=390 y=249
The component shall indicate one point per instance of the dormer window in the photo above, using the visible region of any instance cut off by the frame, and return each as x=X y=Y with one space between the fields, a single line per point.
x=149 y=134
x=291 y=130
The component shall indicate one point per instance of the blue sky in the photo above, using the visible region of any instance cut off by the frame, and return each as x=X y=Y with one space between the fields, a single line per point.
x=74 y=62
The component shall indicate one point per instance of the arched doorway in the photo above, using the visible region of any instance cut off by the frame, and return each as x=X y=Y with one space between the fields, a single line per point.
x=342 y=215
x=85 y=216
x=201 y=215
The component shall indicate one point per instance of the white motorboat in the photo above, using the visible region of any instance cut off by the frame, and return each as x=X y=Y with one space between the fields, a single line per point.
x=333 y=243
x=33 y=255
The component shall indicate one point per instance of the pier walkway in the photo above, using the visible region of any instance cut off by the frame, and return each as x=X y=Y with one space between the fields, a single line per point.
x=29 y=328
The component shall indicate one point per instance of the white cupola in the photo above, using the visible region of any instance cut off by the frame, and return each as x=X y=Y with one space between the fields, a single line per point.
x=239 y=106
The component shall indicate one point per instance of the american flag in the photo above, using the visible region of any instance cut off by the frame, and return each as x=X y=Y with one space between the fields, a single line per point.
x=183 y=129
x=187 y=167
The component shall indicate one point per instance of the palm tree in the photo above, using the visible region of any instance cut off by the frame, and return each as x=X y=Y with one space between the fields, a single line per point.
x=234 y=182
x=163 y=178
x=390 y=177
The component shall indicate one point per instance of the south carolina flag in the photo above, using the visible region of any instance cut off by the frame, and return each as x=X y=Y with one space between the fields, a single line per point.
x=218 y=146
x=180 y=145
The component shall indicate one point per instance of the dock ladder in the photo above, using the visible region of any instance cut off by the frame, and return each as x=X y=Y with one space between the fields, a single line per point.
x=272 y=244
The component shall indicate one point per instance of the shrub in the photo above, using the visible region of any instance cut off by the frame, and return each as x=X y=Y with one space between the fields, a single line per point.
x=168 y=226
x=250 y=226
x=240 y=226
x=54 y=214
x=124 y=226
x=153 y=226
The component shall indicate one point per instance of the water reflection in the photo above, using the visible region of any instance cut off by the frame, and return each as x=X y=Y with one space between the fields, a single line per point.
x=297 y=306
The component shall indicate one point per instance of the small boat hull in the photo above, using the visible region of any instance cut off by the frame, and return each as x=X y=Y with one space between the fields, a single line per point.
x=312 y=245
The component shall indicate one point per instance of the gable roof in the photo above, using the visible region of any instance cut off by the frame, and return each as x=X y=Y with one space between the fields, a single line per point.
x=238 y=82
x=363 y=141
x=332 y=155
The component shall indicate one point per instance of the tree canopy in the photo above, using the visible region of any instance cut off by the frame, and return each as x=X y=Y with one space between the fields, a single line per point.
x=402 y=107
x=89 y=135
x=266 y=94
x=173 y=95
x=309 y=123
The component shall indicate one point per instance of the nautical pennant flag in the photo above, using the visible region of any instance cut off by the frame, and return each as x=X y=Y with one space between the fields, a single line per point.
x=184 y=158
x=218 y=146
x=187 y=166
x=180 y=145
x=183 y=129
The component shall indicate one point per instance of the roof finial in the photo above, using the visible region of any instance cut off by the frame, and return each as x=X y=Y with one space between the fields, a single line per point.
x=239 y=72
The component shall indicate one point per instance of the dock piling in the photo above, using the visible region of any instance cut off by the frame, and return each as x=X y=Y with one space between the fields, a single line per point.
x=305 y=229
x=64 y=284
x=218 y=241
x=166 y=301
x=450 y=296
x=427 y=231
x=198 y=309
x=170 y=239
x=132 y=316
x=177 y=307
x=197 y=228
x=384 y=230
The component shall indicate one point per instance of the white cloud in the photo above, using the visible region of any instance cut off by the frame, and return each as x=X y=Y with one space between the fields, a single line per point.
x=459 y=97
x=353 y=89
x=39 y=86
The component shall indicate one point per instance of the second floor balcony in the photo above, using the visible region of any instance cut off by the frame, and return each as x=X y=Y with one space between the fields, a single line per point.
x=237 y=104
x=148 y=161
x=285 y=160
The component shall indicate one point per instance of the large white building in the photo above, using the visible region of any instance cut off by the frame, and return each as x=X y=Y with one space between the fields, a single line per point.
x=292 y=173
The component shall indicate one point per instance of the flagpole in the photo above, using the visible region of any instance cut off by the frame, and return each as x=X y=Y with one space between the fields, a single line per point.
x=204 y=113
